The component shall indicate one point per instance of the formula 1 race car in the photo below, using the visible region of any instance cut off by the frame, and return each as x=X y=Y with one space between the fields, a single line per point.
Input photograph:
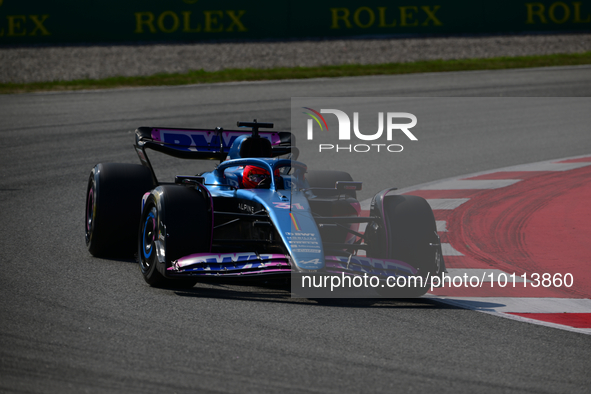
x=259 y=213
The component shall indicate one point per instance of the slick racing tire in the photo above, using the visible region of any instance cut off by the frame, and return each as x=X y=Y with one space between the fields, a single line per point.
x=113 y=208
x=176 y=222
x=328 y=179
x=411 y=236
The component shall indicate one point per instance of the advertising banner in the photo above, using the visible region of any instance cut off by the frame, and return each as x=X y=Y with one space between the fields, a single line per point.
x=61 y=21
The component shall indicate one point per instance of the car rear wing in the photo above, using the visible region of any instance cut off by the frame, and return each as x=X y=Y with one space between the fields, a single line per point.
x=202 y=144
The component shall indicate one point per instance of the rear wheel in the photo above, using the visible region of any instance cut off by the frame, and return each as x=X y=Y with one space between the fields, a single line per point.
x=176 y=222
x=113 y=208
x=409 y=235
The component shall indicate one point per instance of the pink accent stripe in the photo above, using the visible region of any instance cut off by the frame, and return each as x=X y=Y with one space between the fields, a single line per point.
x=156 y=135
x=286 y=270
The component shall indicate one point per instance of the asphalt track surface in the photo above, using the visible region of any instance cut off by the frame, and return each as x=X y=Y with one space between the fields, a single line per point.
x=73 y=323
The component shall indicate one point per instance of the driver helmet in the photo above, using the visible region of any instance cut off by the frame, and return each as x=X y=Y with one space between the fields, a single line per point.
x=253 y=176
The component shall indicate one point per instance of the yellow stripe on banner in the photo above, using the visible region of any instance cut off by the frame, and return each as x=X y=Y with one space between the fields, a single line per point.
x=294 y=222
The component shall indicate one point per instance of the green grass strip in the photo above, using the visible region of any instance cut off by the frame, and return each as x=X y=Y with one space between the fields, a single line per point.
x=349 y=70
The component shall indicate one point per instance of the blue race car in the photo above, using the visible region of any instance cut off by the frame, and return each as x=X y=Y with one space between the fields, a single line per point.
x=259 y=213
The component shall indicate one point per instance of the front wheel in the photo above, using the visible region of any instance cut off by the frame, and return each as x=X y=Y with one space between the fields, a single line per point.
x=409 y=234
x=176 y=222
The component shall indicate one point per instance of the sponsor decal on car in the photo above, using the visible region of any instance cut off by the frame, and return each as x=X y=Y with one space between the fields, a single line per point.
x=245 y=207
x=225 y=258
x=377 y=265
x=312 y=263
x=203 y=140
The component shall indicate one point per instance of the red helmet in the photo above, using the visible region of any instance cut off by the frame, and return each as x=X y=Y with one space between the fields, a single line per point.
x=253 y=176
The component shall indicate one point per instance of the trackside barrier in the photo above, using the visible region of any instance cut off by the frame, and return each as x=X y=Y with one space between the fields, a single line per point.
x=110 y=21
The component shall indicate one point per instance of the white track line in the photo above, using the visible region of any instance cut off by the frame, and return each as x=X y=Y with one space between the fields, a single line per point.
x=458 y=184
x=446 y=203
x=448 y=250
x=500 y=306
x=548 y=166
x=526 y=305
x=551 y=165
